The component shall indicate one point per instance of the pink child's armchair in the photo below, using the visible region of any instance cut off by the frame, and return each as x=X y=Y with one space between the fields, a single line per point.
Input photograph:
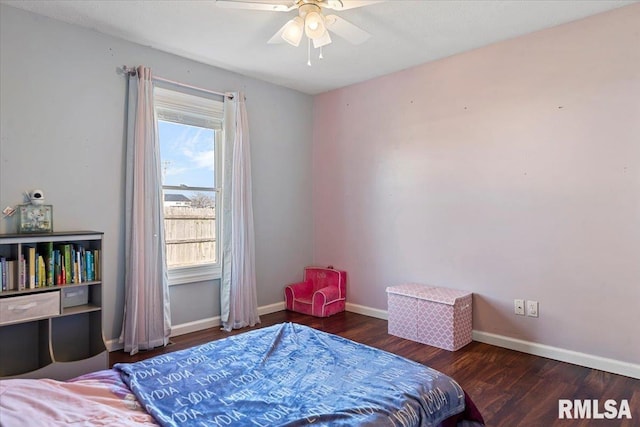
x=321 y=294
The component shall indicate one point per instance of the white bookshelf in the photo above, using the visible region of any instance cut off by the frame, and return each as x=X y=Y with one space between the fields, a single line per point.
x=52 y=331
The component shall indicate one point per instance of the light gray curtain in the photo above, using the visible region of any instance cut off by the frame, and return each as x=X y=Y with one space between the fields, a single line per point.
x=239 y=304
x=146 y=322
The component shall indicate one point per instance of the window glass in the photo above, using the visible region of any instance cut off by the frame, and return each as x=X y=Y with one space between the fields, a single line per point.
x=189 y=132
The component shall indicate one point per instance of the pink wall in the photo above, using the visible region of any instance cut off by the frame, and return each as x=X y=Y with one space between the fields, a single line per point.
x=512 y=171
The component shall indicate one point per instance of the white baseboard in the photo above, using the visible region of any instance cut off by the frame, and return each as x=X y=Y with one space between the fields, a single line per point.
x=367 y=311
x=563 y=355
x=271 y=308
x=199 y=325
x=176 y=330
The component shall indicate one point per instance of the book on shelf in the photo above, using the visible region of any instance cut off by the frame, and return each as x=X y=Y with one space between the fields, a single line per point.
x=66 y=254
x=22 y=273
x=80 y=256
x=46 y=276
x=74 y=273
x=57 y=268
x=3 y=273
x=90 y=266
x=97 y=265
x=12 y=276
x=50 y=270
x=37 y=270
x=48 y=264
x=42 y=273
x=31 y=267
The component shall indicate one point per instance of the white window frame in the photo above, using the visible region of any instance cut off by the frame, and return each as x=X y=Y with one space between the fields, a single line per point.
x=197 y=110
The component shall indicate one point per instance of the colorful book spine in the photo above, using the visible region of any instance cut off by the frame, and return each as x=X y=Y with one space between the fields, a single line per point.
x=11 y=275
x=97 y=265
x=57 y=268
x=47 y=253
x=90 y=266
x=68 y=276
x=31 y=265
x=73 y=278
x=3 y=273
x=82 y=264
x=50 y=270
x=47 y=264
x=36 y=267
x=77 y=268
x=42 y=272
x=22 y=273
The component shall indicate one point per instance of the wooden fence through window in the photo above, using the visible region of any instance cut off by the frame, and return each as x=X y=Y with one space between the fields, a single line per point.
x=190 y=234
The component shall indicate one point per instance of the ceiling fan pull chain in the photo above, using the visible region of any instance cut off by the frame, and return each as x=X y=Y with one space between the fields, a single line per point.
x=320 y=56
x=309 y=52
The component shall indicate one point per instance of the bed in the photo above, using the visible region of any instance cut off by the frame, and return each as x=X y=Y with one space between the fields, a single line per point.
x=286 y=374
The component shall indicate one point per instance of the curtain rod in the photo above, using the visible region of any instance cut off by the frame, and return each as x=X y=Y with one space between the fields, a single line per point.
x=132 y=72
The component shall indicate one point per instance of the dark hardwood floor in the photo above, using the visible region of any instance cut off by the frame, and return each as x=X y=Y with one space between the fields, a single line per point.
x=510 y=388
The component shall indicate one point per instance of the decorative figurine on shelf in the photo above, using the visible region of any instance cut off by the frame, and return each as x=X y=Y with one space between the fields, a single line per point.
x=36 y=197
x=35 y=217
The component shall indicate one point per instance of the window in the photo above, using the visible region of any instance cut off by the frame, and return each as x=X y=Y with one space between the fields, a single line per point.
x=190 y=135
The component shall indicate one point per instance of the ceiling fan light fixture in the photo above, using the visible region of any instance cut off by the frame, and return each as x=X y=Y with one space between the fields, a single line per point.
x=293 y=30
x=324 y=40
x=310 y=21
x=314 y=25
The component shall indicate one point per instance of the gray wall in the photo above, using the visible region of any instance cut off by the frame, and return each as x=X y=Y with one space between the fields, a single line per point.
x=61 y=130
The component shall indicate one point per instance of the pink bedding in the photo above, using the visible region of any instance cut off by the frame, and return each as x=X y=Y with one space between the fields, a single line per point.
x=96 y=399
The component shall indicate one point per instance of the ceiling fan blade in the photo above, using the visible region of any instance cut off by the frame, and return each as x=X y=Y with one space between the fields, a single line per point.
x=347 y=4
x=277 y=37
x=268 y=5
x=346 y=29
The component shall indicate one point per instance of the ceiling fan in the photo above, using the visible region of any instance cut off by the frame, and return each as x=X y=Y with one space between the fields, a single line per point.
x=310 y=20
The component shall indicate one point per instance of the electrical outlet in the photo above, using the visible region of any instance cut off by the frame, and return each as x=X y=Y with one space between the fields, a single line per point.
x=518 y=306
x=532 y=308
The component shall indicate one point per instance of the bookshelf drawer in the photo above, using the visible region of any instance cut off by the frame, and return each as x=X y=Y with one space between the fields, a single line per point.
x=75 y=296
x=29 y=307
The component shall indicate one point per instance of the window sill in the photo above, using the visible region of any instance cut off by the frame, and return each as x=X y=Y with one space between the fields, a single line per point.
x=200 y=273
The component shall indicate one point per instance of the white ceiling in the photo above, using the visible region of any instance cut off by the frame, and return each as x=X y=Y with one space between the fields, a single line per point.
x=404 y=33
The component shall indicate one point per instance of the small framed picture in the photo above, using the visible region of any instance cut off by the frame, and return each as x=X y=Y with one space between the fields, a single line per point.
x=35 y=218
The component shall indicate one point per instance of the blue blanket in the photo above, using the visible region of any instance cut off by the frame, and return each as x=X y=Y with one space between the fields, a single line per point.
x=290 y=375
